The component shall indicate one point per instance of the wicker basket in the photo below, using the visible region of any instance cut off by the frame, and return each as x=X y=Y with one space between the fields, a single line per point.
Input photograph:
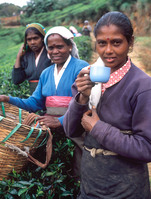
x=16 y=138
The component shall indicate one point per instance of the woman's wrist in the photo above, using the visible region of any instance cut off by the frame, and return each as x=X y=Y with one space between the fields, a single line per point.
x=83 y=99
x=4 y=98
x=17 y=63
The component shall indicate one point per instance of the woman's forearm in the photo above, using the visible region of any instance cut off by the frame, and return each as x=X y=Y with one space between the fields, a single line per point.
x=17 y=63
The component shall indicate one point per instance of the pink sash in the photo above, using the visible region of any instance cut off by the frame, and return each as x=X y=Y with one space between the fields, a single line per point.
x=57 y=105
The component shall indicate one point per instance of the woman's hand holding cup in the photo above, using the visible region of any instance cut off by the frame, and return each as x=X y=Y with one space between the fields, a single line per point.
x=84 y=85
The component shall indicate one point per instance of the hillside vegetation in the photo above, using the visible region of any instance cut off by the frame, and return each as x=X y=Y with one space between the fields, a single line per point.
x=56 y=12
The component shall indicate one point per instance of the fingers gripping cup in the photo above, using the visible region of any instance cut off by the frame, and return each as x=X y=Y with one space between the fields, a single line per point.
x=99 y=74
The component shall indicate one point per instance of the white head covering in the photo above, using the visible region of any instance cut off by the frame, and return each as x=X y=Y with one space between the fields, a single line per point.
x=65 y=33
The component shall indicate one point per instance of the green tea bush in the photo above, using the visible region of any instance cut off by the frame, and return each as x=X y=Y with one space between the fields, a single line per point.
x=52 y=182
x=11 y=43
x=91 y=10
x=84 y=47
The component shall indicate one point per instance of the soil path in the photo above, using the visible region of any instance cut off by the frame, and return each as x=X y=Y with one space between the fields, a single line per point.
x=134 y=55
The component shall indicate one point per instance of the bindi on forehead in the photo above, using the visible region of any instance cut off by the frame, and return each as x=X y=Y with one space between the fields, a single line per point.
x=107 y=38
x=55 y=37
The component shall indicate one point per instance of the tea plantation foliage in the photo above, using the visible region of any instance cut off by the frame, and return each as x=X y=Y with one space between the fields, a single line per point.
x=55 y=181
x=56 y=12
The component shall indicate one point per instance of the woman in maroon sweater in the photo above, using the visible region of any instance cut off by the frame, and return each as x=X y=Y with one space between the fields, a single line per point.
x=117 y=145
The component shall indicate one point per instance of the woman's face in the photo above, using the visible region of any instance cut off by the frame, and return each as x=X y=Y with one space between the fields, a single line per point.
x=34 y=41
x=57 y=49
x=112 y=46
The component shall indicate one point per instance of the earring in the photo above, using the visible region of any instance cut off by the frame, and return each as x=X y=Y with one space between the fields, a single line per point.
x=130 y=49
x=70 y=50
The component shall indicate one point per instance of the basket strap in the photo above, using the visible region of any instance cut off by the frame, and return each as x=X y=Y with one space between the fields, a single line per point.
x=39 y=134
x=27 y=121
x=12 y=132
x=30 y=118
x=48 y=153
x=44 y=141
x=29 y=134
x=4 y=114
x=3 y=109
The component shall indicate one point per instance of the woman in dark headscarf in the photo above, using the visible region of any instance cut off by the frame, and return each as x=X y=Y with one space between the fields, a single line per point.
x=32 y=57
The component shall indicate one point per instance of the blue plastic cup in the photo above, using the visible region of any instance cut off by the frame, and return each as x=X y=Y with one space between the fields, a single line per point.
x=99 y=74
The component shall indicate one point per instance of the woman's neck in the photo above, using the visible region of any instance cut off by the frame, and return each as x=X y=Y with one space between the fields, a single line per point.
x=38 y=52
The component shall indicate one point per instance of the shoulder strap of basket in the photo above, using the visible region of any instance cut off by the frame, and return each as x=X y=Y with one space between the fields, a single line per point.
x=29 y=119
x=48 y=153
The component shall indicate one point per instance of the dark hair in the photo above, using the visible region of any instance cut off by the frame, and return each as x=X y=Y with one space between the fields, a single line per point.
x=35 y=30
x=118 y=19
x=67 y=41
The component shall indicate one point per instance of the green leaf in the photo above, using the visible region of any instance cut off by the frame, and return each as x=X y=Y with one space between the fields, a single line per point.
x=3 y=183
x=50 y=173
x=24 y=182
x=9 y=196
x=33 y=196
x=59 y=165
x=66 y=193
x=31 y=186
x=58 y=181
x=13 y=192
x=18 y=185
x=21 y=191
x=40 y=193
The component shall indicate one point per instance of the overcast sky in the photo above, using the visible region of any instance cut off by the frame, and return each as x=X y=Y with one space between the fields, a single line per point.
x=15 y=2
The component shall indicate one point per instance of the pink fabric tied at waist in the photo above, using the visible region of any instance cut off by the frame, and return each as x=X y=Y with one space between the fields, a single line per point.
x=57 y=105
x=57 y=101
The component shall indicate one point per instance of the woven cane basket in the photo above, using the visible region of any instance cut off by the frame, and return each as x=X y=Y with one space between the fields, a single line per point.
x=15 y=138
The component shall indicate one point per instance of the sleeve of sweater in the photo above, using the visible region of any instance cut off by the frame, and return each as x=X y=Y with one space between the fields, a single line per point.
x=136 y=145
x=18 y=74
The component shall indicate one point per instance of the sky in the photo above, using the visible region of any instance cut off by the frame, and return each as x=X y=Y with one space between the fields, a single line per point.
x=20 y=3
